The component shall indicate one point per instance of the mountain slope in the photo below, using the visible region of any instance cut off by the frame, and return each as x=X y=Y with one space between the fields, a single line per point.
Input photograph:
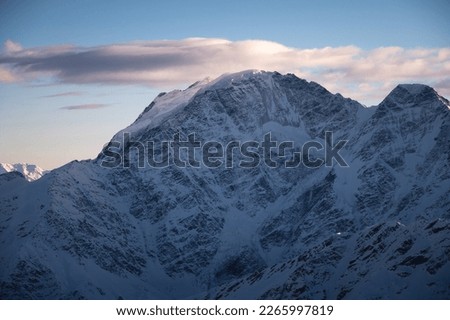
x=377 y=228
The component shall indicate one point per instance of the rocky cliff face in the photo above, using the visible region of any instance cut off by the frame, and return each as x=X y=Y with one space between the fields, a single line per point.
x=378 y=228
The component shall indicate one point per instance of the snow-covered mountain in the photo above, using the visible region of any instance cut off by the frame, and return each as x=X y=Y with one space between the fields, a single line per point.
x=31 y=172
x=379 y=228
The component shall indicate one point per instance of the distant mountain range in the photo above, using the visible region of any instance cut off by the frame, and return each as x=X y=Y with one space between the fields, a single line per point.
x=31 y=172
x=378 y=228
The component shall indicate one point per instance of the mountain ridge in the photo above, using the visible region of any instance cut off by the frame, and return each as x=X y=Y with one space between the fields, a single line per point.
x=31 y=172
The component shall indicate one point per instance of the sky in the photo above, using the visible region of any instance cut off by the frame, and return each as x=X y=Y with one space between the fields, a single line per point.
x=74 y=73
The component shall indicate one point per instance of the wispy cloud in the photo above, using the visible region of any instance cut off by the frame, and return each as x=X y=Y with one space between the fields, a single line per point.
x=64 y=94
x=89 y=106
x=8 y=76
x=12 y=47
x=352 y=71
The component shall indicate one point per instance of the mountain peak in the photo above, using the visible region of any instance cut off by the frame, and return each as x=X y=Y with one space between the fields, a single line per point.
x=412 y=93
x=31 y=172
x=269 y=91
x=231 y=79
x=414 y=88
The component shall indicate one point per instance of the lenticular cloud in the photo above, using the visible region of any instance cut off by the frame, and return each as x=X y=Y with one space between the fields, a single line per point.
x=349 y=70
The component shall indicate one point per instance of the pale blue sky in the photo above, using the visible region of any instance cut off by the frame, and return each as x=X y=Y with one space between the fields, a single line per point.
x=36 y=126
x=296 y=23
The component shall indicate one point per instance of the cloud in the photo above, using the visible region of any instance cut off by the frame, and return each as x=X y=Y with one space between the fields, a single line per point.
x=85 y=106
x=64 y=94
x=8 y=76
x=366 y=75
x=12 y=47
